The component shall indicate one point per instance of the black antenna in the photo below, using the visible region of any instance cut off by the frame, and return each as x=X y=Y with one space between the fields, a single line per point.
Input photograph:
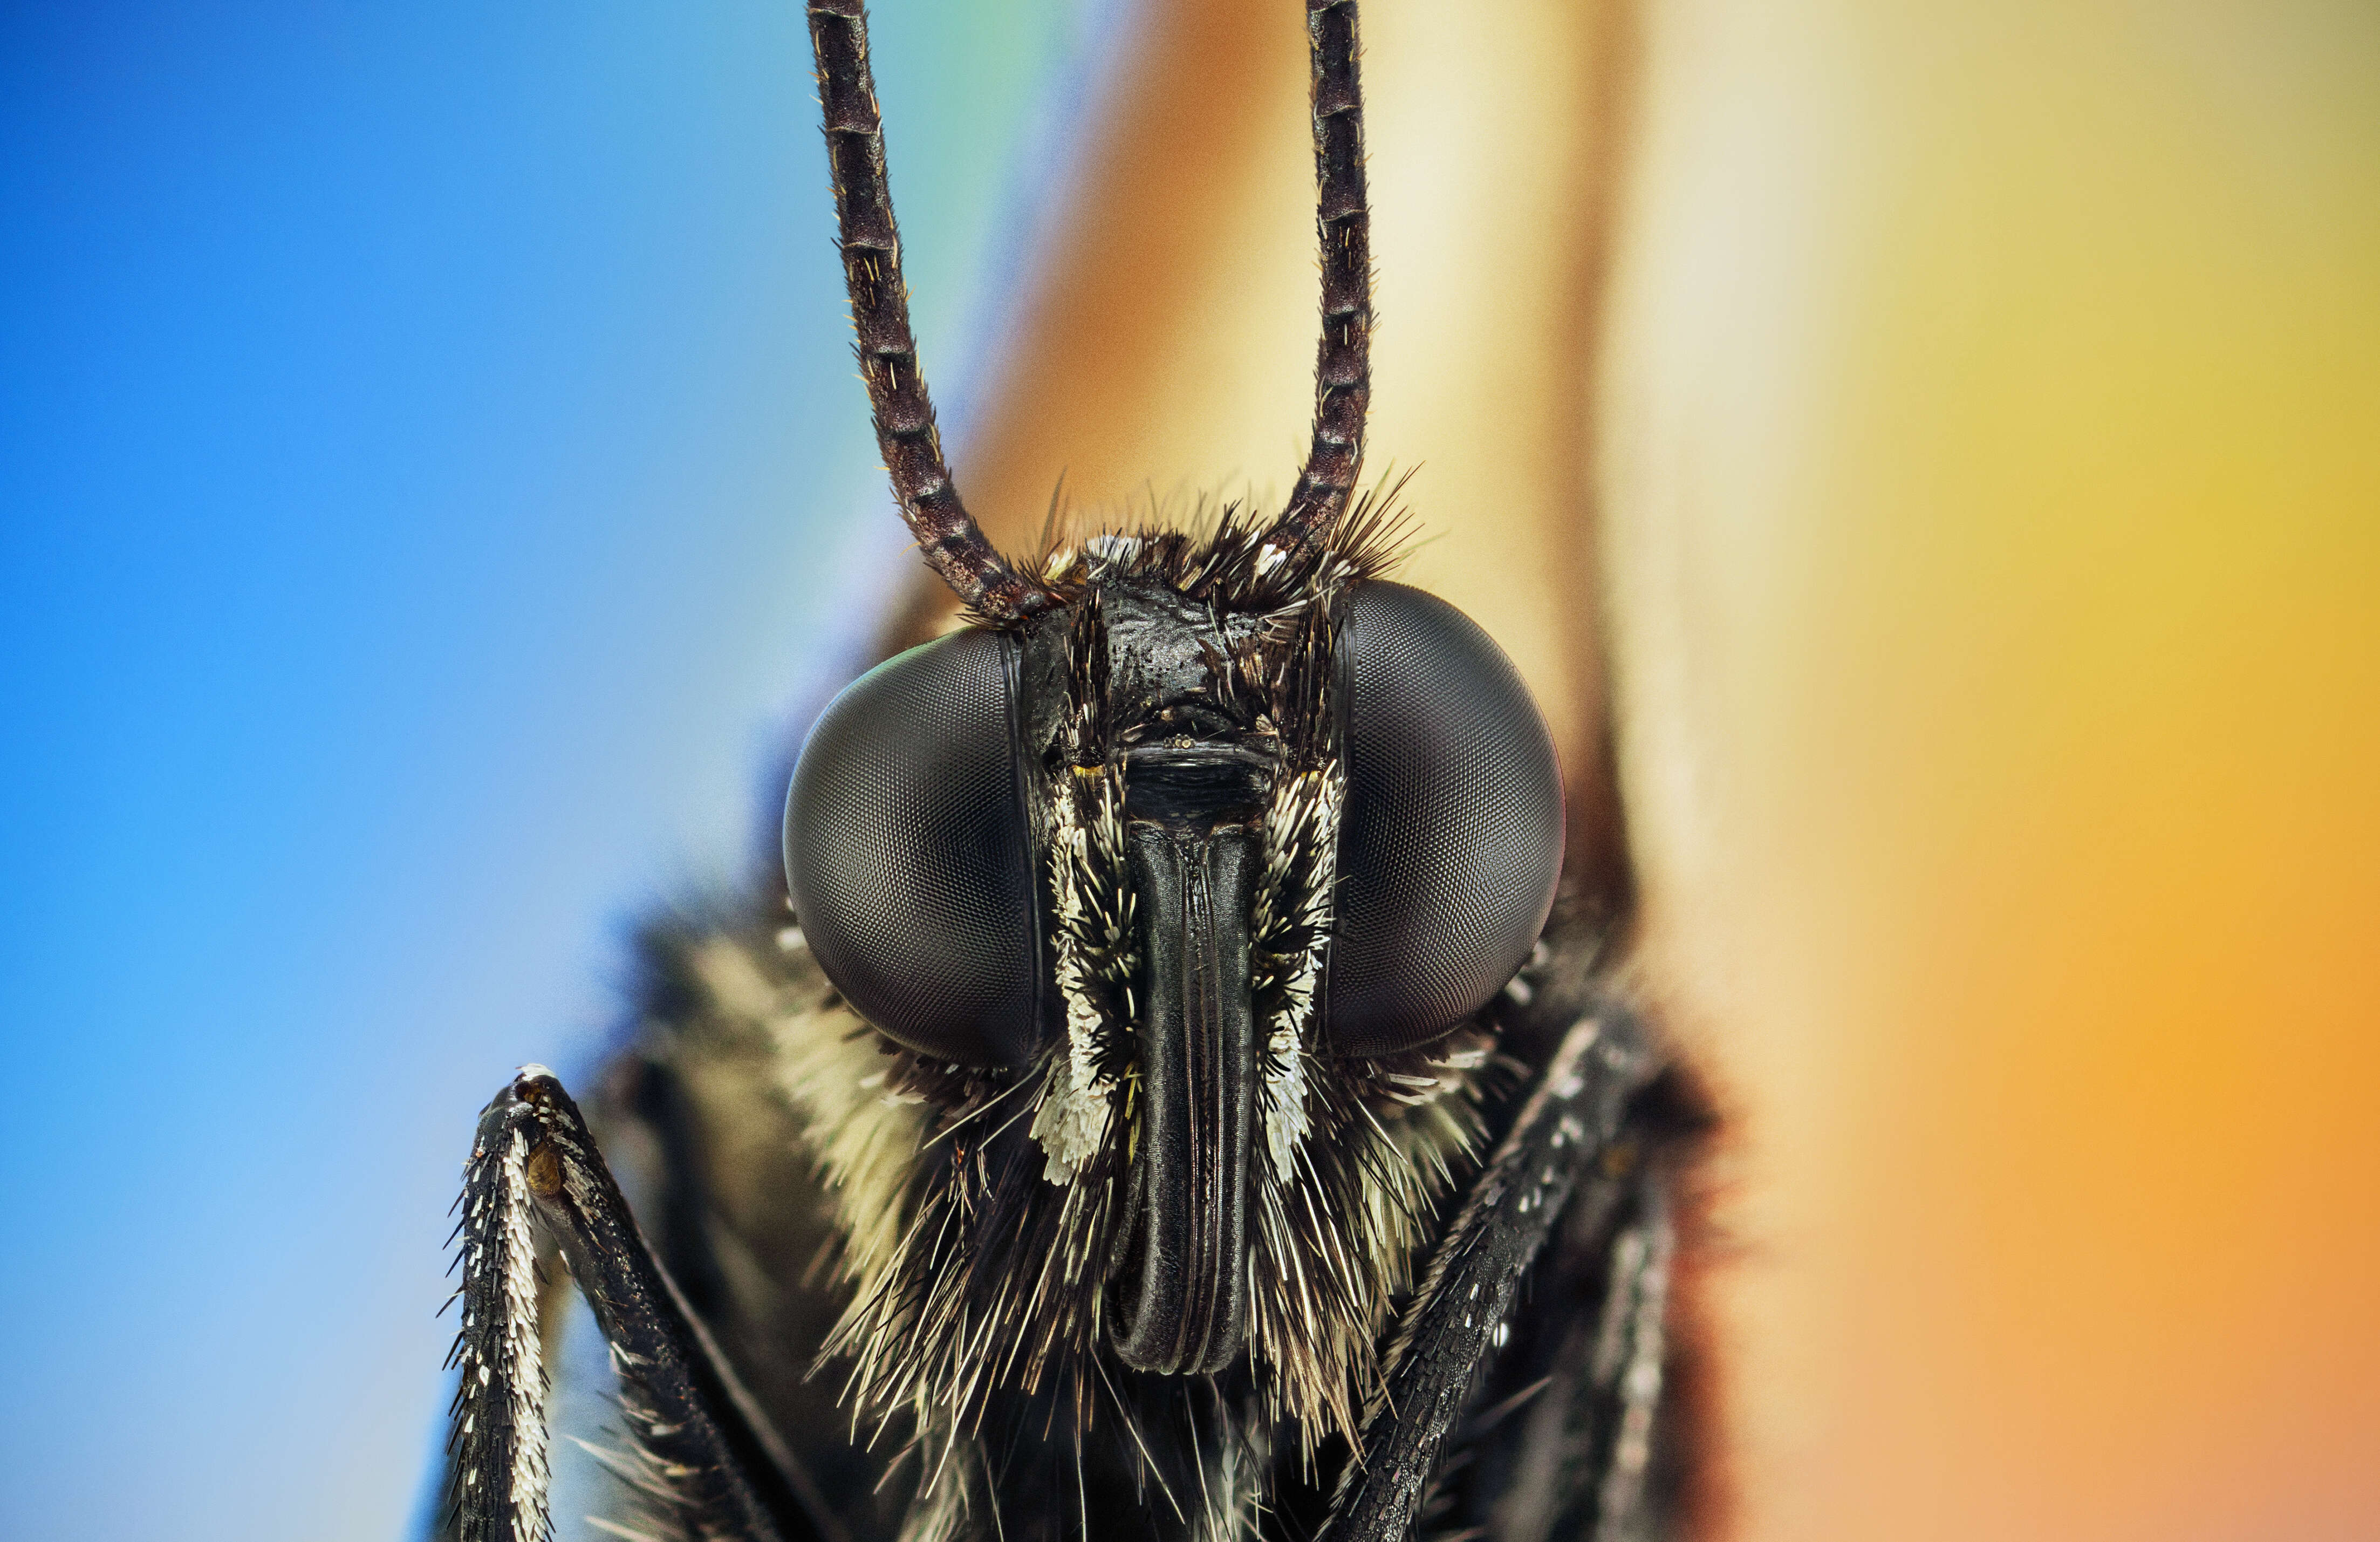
x=870 y=243
x=1342 y=367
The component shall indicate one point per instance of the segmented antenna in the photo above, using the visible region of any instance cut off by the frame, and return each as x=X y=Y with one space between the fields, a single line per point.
x=1342 y=366
x=870 y=243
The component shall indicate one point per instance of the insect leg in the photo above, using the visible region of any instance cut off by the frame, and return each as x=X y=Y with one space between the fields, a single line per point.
x=1450 y=1330
x=1562 y=1437
x=534 y=1165
x=1626 y=1371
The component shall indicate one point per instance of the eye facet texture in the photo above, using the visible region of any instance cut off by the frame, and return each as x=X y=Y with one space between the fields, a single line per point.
x=908 y=852
x=1451 y=839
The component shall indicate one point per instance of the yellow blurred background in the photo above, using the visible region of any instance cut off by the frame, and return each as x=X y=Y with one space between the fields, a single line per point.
x=1993 y=477
x=1954 y=433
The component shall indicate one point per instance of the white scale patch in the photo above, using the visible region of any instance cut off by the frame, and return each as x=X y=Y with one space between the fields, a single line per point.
x=523 y=1354
x=1301 y=828
x=1091 y=939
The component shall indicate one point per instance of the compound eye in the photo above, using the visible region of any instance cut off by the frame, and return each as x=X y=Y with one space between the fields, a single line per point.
x=908 y=852
x=1452 y=838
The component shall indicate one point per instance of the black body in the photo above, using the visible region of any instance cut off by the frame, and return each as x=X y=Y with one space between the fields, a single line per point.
x=1168 y=1096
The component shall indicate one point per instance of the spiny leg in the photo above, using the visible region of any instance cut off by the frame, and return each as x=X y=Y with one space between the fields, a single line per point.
x=1626 y=1374
x=497 y=1450
x=1576 y=1456
x=707 y=1452
x=1559 y=1142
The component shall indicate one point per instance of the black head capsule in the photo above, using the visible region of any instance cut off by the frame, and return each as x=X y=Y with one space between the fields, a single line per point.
x=1174 y=851
x=957 y=811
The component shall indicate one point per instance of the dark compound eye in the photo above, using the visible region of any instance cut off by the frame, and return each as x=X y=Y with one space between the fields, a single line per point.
x=908 y=854
x=1452 y=838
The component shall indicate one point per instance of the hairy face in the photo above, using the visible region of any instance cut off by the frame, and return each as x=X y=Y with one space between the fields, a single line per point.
x=1175 y=905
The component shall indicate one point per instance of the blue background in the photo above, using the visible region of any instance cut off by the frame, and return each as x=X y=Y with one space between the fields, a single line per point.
x=433 y=493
